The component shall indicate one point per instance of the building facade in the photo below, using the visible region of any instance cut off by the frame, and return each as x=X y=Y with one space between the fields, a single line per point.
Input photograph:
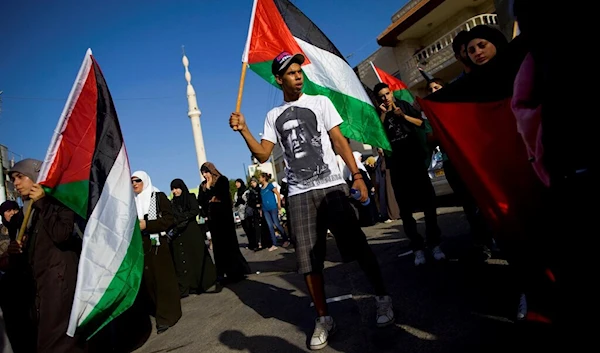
x=7 y=160
x=421 y=35
x=266 y=167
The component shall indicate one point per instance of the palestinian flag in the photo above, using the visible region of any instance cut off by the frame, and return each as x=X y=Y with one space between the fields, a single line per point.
x=277 y=26
x=87 y=169
x=398 y=88
x=473 y=120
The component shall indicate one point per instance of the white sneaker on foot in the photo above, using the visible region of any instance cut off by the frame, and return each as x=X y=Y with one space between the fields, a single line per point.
x=324 y=327
x=438 y=254
x=420 y=258
x=385 y=311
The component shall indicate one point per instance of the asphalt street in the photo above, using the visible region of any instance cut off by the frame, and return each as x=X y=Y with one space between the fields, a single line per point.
x=460 y=305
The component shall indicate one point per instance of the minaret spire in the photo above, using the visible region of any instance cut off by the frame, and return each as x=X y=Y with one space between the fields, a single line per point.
x=194 y=114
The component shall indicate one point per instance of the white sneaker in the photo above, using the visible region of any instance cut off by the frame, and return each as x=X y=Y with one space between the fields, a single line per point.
x=385 y=311
x=420 y=258
x=324 y=327
x=438 y=254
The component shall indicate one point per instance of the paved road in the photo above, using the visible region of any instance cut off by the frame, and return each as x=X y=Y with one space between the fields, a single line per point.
x=459 y=306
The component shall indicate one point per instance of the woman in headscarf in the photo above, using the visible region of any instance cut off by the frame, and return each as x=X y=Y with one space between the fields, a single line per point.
x=12 y=217
x=228 y=258
x=484 y=44
x=17 y=288
x=253 y=213
x=203 y=204
x=156 y=219
x=241 y=204
x=193 y=264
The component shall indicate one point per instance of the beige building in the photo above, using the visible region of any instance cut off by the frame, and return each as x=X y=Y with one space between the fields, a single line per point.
x=421 y=35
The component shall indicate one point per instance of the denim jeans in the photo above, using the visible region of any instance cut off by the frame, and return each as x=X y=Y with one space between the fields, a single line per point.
x=272 y=218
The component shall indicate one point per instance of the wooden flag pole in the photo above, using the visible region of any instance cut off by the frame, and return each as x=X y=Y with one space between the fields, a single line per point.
x=238 y=104
x=25 y=221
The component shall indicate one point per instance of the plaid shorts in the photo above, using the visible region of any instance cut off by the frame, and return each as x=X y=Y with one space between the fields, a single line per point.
x=311 y=214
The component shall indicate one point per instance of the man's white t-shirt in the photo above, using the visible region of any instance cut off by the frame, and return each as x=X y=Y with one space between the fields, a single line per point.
x=301 y=129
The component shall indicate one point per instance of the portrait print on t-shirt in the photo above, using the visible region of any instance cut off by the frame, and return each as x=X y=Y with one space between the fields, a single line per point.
x=303 y=149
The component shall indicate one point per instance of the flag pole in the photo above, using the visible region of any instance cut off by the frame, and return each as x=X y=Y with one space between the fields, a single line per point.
x=238 y=103
x=25 y=221
x=375 y=71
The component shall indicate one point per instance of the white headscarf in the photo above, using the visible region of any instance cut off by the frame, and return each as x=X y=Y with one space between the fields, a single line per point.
x=142 y=200
x=359 y=163
x=346 y=171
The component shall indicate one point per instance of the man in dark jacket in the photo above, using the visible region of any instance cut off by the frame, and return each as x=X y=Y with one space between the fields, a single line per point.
x=410 y=180
x=53 y=252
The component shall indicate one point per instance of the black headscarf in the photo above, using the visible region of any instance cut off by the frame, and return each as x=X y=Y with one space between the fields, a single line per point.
x=240 y=192
x=242 y=188
x=490 y=34
x=183 y=201
x=15 y=222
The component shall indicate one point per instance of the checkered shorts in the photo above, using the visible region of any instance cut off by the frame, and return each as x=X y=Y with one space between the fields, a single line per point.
x=311 y=214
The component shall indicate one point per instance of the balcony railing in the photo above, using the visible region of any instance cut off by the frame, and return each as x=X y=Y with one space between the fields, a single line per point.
x=439 y=54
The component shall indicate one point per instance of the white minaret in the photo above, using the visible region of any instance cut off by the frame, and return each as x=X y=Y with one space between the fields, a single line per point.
x=194 y=114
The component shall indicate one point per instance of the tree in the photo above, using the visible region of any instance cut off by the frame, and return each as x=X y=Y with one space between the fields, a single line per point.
x=232 y=188
x=257 y=173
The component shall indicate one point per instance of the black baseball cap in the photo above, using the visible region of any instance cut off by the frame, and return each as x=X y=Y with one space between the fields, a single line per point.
x=285 y=59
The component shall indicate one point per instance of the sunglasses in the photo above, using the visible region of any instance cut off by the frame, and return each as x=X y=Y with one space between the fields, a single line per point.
x=136 y=181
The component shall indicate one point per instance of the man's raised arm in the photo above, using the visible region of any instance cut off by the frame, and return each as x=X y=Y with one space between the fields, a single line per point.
x=261 y=150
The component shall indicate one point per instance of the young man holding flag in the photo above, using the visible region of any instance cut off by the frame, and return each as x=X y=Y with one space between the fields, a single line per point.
x=306 y=126
x=410 y=180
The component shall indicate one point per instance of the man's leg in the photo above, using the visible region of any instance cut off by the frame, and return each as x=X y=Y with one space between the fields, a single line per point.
x=405 y=199
x=428 y=200
x=310 y=236
x=343 y=222
x=369 y=264
x=316 y=289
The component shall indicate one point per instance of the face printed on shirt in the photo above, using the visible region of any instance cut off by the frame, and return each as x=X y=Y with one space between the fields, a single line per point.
x=301 y=140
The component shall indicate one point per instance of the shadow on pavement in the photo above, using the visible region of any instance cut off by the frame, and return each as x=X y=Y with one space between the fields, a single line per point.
x=454 y=306
x=257 y=344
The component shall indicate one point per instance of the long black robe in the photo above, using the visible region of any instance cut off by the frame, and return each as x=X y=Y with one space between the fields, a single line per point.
x=196 y=272
x=159 y=278
x=228 y=258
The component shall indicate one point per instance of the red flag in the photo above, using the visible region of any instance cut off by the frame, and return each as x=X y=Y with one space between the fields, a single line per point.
x=482 y=140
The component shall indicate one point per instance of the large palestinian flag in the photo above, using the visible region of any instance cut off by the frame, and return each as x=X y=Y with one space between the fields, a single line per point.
x=87 y=169
x=278 y=25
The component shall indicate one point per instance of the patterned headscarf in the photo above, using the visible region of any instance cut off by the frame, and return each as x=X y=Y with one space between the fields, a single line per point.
x=208 y=167
x=143 y=199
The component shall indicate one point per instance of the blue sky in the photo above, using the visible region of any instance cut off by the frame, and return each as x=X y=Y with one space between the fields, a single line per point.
x=138 y=46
